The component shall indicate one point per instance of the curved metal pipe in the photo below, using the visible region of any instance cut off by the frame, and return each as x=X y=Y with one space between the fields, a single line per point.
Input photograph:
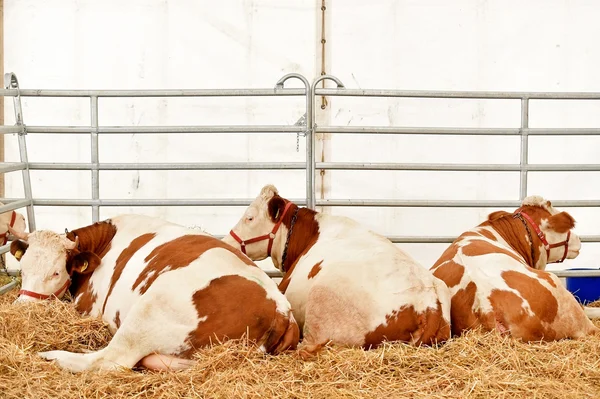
x=309 y=133
x=340 y=85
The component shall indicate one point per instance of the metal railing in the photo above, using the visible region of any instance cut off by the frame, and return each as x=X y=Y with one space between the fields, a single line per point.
x=305 y=127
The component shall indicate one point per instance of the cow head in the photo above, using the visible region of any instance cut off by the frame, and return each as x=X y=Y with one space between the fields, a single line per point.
x=13 y=220
x=48 y=261
x=552 y=226
x=256 y=231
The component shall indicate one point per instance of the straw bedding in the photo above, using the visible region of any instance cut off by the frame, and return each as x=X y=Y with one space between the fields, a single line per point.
x=478 y=365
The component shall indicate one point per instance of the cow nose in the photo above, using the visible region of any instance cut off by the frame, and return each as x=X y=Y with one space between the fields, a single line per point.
x=25 y=298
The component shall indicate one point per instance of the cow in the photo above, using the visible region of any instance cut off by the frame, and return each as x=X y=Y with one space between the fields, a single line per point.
x=347 y=285
x=10 y=219
x=163 y=289
x=496 y=275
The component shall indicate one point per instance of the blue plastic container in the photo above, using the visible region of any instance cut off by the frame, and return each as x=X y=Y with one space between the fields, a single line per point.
x=585 y=289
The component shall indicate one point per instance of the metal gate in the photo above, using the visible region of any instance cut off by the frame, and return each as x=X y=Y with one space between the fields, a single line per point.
x=305 y=127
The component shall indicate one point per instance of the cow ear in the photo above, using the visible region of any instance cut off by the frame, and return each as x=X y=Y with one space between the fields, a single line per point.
x=18 y=248
x=276 y=207
x=561 y=222
x=84 y=263
x=497 y=215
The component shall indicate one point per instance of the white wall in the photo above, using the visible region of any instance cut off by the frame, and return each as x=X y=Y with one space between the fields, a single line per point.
x=427 y=44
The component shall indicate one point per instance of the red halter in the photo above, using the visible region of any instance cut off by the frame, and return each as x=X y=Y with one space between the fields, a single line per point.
x=44 y=296
x=542 y=237
x=270 y=236
x=13 y=218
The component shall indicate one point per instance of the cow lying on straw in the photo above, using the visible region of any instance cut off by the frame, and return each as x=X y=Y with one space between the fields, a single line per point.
x=164 y=290
x=496 y=275
x=346 y=284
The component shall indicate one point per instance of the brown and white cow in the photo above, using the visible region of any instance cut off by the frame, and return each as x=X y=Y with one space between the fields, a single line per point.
x=13 y=220
x=346 y=284
x=496 y=275
x=164 y=290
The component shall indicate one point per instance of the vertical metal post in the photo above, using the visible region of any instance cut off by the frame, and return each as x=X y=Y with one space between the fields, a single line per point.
x=11 y=82
x=340 y=85
x=524 y=147
x=310 y=150
x=95 y=158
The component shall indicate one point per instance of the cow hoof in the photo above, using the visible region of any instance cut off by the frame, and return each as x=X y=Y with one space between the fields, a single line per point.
x=74 y=362
x=309 y=352
x=49 y=355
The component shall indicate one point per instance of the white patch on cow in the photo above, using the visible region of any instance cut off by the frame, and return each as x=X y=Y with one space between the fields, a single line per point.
x=361 y=264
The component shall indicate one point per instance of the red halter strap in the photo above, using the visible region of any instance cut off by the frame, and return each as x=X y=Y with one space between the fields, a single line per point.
x=270 y=236
x=13 y=218
x=44 y=296
x=542 y=237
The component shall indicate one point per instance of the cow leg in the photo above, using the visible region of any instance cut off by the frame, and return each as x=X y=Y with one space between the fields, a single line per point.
x=591 y=312
x=152 y=326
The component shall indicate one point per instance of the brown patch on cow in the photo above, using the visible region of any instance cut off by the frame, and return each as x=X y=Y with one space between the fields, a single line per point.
x=232 y=307
x=283 y=335
x=543 y=275
x=561 y=222
x=487 y=234
x=122 y=260
x=468 y=234
x=117 y=319
x=95 y=238
x=509 y=313
x=304 y=234
x=287 y=275
x=83 y=292
x=497 y=215
x=481 y=247
x=447 y=255
x=179 y=253
x=461 y=307
x=450 y=273
x=540 y=299
x=514 y=232
x=407 y=325
x=315 y=270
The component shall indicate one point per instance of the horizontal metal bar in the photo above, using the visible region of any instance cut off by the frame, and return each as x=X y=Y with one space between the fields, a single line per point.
x=448 y=203
x=168 y=129
x=155 y=93
x=149 y=202
x=498 y=95
x=11 y=206
x=10 y=129
x=6 y=167
x=302 y=166
x=454 y=167
x=467 y=131
x=458 y=131
x=302 y=92
x=576 y=273
x=170 y=166
x=5 y=288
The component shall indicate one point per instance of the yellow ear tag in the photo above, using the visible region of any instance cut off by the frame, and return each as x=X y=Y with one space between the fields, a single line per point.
x=18 y=254
x=85 y=265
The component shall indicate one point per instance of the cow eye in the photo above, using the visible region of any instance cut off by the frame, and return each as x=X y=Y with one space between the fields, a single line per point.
x=56 y=274
x=250 y=218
